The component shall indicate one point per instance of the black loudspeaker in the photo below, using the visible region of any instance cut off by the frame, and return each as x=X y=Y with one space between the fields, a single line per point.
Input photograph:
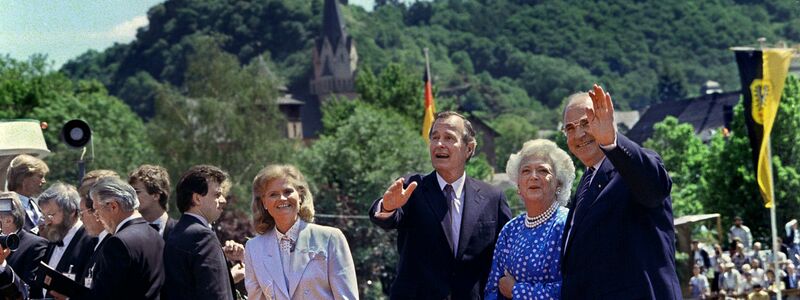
x=76 y=133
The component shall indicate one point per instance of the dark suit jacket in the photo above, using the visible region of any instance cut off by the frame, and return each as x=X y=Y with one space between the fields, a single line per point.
x=76 y=255
x=170 y=226
x=129 y=265
x=194 y=264
x=427 y=268
x=92 y=262
x=26 y=259
x=622 y=244
x=11 y=286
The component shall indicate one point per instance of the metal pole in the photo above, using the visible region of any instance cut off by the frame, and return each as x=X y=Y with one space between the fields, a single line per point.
x=775 y=246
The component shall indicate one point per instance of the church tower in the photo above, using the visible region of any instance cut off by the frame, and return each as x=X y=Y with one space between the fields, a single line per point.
x=335 y=58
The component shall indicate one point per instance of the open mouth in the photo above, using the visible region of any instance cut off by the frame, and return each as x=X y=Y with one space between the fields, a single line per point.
x=442 y=155
x=586 y=143
x=284 y=205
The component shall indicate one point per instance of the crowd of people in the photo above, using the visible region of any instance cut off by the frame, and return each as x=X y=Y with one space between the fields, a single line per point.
x=745 y=270
x=457 y=239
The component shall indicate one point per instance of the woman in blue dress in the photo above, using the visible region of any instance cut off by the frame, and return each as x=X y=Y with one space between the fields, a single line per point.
x=527 y=257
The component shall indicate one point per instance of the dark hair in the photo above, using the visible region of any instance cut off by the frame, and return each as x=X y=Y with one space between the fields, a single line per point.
x=195 y=181
x=155 y=179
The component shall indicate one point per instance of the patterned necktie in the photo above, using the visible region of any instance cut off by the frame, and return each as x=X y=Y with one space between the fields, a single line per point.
x=286 y=244
x=583 y=190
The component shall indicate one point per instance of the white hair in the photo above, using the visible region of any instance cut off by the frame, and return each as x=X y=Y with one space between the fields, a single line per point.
x=563 y=167
x=110 y=189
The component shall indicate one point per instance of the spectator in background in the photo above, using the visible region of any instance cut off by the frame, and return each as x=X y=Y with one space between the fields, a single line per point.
x=730 y=279
x=758 y=293
x=792 y=279
x=26 y=176
x=717 y=263
x=700 y=256
x=772 y=283
x=738 y=257
x=698 y=284
x=742 y=232
x=759 y=275
x=748 y=280
x=793 y=240
x=152 y=188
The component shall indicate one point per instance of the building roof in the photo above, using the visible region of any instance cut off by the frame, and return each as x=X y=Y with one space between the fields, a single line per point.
x=288 y=99
x=705 y=113
x=333 y=25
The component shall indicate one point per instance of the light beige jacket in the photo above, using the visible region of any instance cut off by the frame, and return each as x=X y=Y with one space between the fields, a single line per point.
x=321 y=266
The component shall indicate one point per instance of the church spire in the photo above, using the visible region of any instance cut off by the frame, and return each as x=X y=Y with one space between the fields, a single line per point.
x=333 y=25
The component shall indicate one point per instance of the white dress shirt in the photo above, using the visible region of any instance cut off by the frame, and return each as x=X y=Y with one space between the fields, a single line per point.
x=58 y=251
x=161 y=222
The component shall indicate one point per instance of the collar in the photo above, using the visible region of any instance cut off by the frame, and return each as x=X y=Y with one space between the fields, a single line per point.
x=102 y=235
x=161 y=220
x=293 y=233
x=202 y=220
x=458 y=185
x=599 y=163
x=131 y=217
x=71 y=233
x=26 y=201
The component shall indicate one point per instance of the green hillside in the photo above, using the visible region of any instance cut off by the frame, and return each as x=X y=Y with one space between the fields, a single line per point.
x=518 y=57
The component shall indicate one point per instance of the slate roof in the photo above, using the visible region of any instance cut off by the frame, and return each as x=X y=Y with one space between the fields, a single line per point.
x=706 y=113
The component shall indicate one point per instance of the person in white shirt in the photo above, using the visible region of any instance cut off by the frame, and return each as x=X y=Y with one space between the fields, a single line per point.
x=698 y=284
x=739 y=230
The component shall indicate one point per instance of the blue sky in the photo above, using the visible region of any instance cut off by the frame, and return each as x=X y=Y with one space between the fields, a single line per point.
x=63 y=29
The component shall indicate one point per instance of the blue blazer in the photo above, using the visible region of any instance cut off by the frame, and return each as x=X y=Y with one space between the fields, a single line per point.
x=426 y=267
x=622 y=244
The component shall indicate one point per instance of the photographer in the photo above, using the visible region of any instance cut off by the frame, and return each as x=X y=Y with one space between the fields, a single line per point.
x=25 y=259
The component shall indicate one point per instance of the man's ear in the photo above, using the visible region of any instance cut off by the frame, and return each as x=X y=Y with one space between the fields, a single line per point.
x=196 y=199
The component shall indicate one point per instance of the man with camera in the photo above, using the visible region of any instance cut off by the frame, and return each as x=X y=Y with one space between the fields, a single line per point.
x=31 y=249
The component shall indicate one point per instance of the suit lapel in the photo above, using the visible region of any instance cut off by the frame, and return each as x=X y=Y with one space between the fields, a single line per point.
x=272 y=262
x=473 y=206
x=434 y=197
x=601 y=178
x=72 y=251
x=300 y=257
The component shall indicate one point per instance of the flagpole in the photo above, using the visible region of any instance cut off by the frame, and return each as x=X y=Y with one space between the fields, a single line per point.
x=775 y=246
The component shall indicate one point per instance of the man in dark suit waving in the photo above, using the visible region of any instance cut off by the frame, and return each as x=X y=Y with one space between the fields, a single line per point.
x=447 y=222
x=129 y=265
x=193 y=259
x=619 y=238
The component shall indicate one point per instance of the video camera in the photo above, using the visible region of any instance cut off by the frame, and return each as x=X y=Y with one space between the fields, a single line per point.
x=11 y=240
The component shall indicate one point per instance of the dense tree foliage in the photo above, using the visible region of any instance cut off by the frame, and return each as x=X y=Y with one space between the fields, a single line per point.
x=720 y=177
x=31 y=89
x=640 y=50
x=224 y=115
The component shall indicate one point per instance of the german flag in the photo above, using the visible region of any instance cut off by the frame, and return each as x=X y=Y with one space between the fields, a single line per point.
x=430 y=107
x=763 y=73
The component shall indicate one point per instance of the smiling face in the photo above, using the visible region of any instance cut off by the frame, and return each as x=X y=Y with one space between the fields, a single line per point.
x=581 y=143
x=282 y=201
x=537 y=182
x=448 y=149
x=212 y=204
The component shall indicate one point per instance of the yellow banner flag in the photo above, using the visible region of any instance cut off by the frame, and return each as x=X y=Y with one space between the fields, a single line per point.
x=775 y=64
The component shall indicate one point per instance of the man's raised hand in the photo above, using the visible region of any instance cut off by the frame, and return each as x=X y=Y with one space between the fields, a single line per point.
x=601 y=117
x=397 y=196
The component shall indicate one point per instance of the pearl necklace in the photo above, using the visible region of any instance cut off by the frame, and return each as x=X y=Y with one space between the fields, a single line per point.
x=532 y=222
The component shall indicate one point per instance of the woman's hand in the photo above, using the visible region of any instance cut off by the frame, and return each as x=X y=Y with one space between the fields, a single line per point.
x=506 y=285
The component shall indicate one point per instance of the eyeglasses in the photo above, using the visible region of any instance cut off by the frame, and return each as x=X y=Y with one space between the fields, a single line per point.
x=88 y=210
x=570 y=128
